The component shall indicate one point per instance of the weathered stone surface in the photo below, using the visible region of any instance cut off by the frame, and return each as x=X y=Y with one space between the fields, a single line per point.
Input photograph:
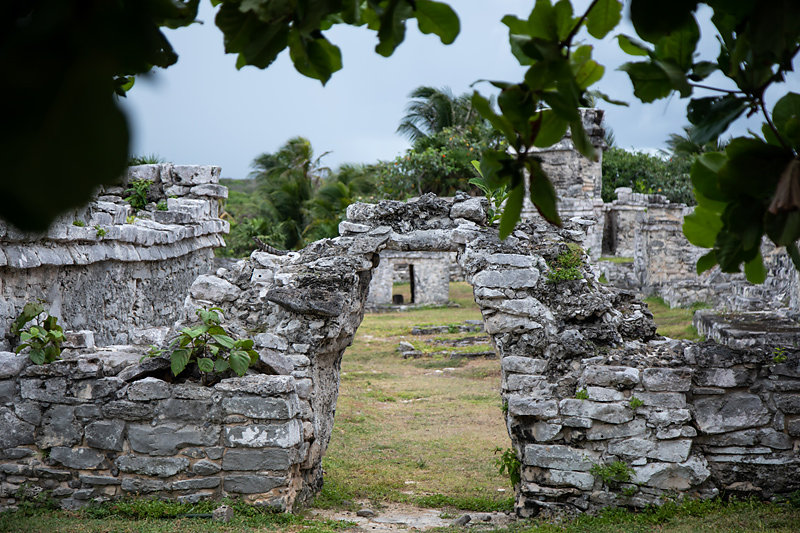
x=261 y=459
x=252 y=484
x=543 y=431
x=11 y=364
x=284 y=435
x=261 y=385
x=272 y=362
x=788 y=403
x=214 y=289
x=126 y=410
x=673 y=476
x=262 y=408
x=140 y=369
x=613 y=431
x=731 y=412
x=525 y=406
x=667 y=379
x=602 y=394
x=723 y=377
x=580 y=480
x=610 y=376
x=99 y=480
x=143 y=485
x=185 y=409
x=8 y=389
x=13 y=431
x=148 y=389
x=558 y=457
x=523 y=365
x=472 y=209
x=59 y=427
x=78 y=458
x=507 y=279
x=151 y=466
x=205 y=468
x=195 y=484
x=166 y=439
x=605 y=412
x=317 y=302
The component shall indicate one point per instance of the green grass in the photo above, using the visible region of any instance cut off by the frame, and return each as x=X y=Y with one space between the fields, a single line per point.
x=676 y=322
x=615 y=259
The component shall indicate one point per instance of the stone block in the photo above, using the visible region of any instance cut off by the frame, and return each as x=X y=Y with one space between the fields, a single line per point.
x=543 y=431
x=605 y=412
x=59 y=428
x=603 y=394
x=724 y=377
x=99 y=480
x=143 y=485
x=667 y=379
x=151 y=466
x=166 y=439
x=77 y=458
x=214 y=289
x=581 y=480
x=13 y=431
x=635 y=427
x=507 y=279
x=126 y=410
x=190 y=391
x=252 y=484
x=559 y=457
x=12 y=364
x=31 y=412
x=788 y=403
x=525 y=406
x=472 y=209
x=185 y=409
x=147 y=389
x=610 y=376
x=673 y=476
x=93 y=389
x=675 y=400
x=205 y=468
x=525 y=382
x=738 y=410
x=197 y=483
x=262 y=385
x=503 y=323
x=262 y=408
x=665 y=417
x=523 y=365
x=105 y=434
x=280 y=435
x=8 y=389
x=261 y=459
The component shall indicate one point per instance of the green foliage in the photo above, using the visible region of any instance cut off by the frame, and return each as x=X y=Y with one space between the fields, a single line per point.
x=209 y=347
x=779 y=355
x=635 y=403
x=137 y=196
x=478 y=504
x=612 y=474
x=100 y=232
x=567 y=266
x=630 y=492
x=33 y=501
x=508 y=463
x=146 y=159
x=162 y=205
x=79 y=223
x=582 y=394
x=495 y=195
x=647 y=174
x=130 y=219
x=43 y=337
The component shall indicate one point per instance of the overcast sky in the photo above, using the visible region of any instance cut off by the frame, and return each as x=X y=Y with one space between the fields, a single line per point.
x=203 y=111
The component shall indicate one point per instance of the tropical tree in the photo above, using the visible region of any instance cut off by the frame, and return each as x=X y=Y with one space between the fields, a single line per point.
x=350 y=183
x=431 y=110
x=688 y=145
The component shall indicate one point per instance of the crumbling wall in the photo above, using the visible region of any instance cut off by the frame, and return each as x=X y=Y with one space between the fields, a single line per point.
x=113 y=274
x=430 y=282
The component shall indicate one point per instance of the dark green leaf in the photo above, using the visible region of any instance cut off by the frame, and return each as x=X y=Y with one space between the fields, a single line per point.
x=512 y=210
x=51 y=353
x=563 y=17
x=702 y=69
x=581 y=140
x=653 y=20
x=562 y=104
x=495 y=165
x=542 y=22
x=178 y=360
x=224 y=340
x=705 y=179
x=786 y=118
x=221 y=365
x=518 y=106
x=755 y=271
x=438 y=18
x=794 y=253
x=702 y=226
x=677 y=77
x=678 y=46
x=29 y=311
x=314 y=57
x=239 y=361
x=753 y=168
x=37 y=357
x=244 y=344
x=607 y=98
x=392 y=28
x=543 y=194
x=515 y=25
x=712 y=115
x=204 y=364
x=501 y=123
x=631 y=46
x=603 y=17
x=551 y=129
x=707 y=262
x=650 y=82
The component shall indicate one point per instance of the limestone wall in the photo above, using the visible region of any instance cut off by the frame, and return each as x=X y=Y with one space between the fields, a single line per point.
x=430 y=282
x=117 y=275
x=90 y=427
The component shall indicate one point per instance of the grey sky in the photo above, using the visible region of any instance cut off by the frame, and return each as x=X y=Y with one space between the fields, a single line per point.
x=203 y=111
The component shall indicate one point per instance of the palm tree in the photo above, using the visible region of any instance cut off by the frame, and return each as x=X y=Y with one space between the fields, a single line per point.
x=431 y=110
x=327 y=207
x=686 y=145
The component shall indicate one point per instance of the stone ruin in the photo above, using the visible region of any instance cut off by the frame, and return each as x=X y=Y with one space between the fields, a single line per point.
x=427 y=273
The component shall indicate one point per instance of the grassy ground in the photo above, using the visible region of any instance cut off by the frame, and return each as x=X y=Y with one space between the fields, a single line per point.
x=676 y=322
x=421 y=431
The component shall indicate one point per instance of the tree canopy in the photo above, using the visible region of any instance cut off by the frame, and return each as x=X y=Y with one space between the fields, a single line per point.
x=64 y=133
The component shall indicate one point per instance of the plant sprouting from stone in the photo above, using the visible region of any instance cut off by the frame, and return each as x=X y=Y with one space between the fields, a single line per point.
x=162 y=205
x=78 y=223
x=100 y=232
x=39 y=332
x=779 y=355
x=130 y=219
x=210 y=347
x=567 y=266
x=631 y=491
x=507 y=463
x=635 y=403
x=137 y=196
x=582 y=394
x=612 y=474
x=496 y=194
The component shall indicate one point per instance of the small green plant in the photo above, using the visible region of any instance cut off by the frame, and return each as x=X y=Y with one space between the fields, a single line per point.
x=635 y=403
x=162 y=205
x=582 y=394
x=603 y=279
x=452 y=328
x=567 y=266
x=145 y=159
x=779 y=355
x=630 y=492
x=612 y=474
x=495 y=195
x=138 y=193
x=130 y=219
x=43 y=337
x=79 y=223
x=210 y=347
x=504 y=406
x=508 y=463
x=100 y=232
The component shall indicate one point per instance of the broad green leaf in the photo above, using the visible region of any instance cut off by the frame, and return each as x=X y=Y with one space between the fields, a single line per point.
x=543 y=194
x=588 y=73
x=702 y=69
x=713 y=114
x=607 y=98
x=753 y=168
x=631 y=46
x=495 y=165
x=25 y=336
x=51 y=353
x=782 y=228
x=253 y=356
x=239 y=361
x=392 y=28
x=794 y=253
x=178 y=360
x=786 y=118
x=520 y=46
x=551 y=129
x=21 y=347
x=650 y=82
x=195 y=331
x=314 y=57
x=224 y=340
x=217 y=330
x=705 y=178
x=500 y=123
x=221 y=365
x=204 y=364
x=515 y=25
x=755 y=271
x=562 y=104
x=438 y=18
x=29 y=311
x=702 y=226
x=518 y=106
x=678 y=46
x=512 y=210
x=257 y=43
x=244 y=344
x=677 y=77
x=653 y=20
x=563 y=17
x=542 y=22
x=37 y=356
x=603 y=17
x=581 y=140
x=707 y=262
